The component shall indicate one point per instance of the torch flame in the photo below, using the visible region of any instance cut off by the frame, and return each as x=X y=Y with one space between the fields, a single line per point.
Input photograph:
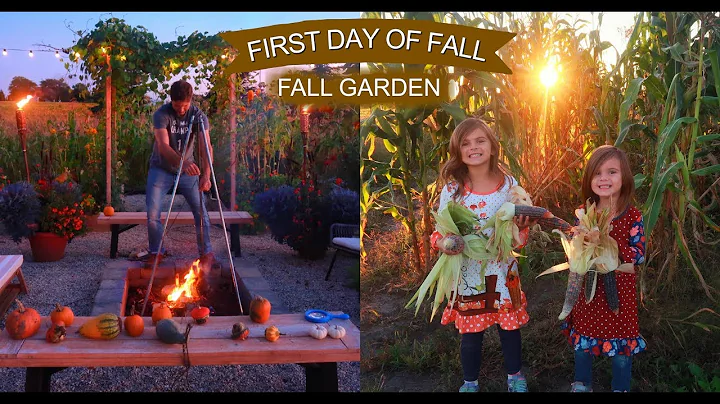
x=187 y=291
x=22 y=103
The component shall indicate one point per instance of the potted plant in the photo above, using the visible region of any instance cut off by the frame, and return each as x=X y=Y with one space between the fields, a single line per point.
x=91 y=209
x=48 y=213
x=296 y=216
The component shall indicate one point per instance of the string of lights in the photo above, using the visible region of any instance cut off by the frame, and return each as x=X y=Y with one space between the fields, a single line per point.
x=30 y=52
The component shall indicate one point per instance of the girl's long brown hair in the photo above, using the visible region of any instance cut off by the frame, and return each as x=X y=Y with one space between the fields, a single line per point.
x=454 y=168
x=600 y=156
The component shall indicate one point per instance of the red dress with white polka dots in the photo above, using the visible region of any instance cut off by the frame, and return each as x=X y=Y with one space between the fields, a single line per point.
x=593 y=327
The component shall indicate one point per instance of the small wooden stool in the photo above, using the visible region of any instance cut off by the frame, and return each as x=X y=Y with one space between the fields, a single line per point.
x=10 y=267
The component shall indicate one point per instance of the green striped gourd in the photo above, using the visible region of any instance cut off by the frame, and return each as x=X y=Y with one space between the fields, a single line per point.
x=102 y=326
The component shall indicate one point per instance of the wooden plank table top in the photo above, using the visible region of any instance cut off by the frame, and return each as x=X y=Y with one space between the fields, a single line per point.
x=9 y=265
x=231 y=217
x=208 y=344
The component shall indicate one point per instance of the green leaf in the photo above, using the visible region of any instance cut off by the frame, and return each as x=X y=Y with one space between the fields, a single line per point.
x=706 y=170
x=655 y=196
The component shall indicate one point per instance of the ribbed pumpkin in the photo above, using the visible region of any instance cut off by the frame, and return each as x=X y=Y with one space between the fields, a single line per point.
x=62 y=313
x=22 y=323
x=103 y=326
x=134 y=324
x=161 y=311
x=260 y=309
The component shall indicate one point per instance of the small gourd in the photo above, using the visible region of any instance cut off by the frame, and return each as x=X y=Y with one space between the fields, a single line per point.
x=317 y=331
x=108 y=210
x=200 y=314
x=22 y=323
x=56 y=332
x=62 y=313
x=161 y=311
x=134 y=324
x=336 y=331
x=170 y=331
x=272 y=333
x=240 y=331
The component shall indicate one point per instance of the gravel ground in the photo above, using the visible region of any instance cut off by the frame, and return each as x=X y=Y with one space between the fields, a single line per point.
x=74 y=280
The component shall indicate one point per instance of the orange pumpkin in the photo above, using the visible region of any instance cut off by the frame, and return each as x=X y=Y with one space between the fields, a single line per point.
x=260 y=309
x=56 y=332
x=160 y=312
x=62 y=313
x=109 y=211
x=22 y=323
x=134 y=324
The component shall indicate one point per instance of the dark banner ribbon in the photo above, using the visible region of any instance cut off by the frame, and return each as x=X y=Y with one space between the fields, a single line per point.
x=367 y=40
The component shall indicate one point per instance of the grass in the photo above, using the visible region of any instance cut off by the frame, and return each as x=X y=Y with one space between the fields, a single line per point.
x=40 y=115
x=404 y=352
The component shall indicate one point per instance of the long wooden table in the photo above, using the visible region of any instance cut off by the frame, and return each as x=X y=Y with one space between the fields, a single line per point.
x=122 y=221
x=208 y=344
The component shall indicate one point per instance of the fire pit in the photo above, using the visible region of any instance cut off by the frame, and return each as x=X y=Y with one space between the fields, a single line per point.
x=182 y=290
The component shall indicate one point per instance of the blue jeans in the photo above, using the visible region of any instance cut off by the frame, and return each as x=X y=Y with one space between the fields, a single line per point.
x=159 y=183
x=621 y=370
x=471 y=352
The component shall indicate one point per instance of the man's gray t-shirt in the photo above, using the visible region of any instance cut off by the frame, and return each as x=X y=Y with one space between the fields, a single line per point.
x=166 y=117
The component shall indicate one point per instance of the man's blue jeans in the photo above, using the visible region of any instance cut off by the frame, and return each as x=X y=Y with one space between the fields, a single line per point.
x=621 y=370
x=159 y=183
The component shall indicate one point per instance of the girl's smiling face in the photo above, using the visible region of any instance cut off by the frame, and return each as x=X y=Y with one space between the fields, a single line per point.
x=475 y=148
x=607 y=180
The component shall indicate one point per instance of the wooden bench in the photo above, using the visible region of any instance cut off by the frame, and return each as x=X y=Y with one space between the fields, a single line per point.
x=121 y=221
x=208 y=344
x=10 y=267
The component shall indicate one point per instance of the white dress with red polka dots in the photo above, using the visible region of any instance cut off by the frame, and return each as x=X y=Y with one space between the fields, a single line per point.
x=491 y=302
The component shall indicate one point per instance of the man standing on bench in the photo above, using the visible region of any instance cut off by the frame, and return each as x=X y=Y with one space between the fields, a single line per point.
x=171 y=123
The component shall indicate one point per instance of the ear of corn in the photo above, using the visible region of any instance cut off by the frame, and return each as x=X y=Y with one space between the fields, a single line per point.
x=611 y=292
x=545 y=218
x=590 y=285
x=572 y=293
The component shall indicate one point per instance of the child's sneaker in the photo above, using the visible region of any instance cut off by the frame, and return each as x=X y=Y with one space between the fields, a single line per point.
x=579 y=387
x=517 y=383
x=469 y=387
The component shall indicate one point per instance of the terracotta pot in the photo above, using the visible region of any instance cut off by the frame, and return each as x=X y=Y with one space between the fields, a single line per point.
x=47 y=247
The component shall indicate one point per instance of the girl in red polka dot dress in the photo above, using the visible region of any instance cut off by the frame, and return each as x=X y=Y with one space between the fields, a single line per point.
x=593 y=329
x=487 y=295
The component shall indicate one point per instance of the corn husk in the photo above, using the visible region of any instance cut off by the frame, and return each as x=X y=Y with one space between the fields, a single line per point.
x=589 y=249
x=445 y=274
x=500 y=243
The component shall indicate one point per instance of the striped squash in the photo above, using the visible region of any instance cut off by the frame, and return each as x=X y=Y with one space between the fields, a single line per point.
x=103 y=326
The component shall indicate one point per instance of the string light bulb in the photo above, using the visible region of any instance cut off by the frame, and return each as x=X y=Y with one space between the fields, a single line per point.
x=57 y=54
x=31 y=54
x=4 y=52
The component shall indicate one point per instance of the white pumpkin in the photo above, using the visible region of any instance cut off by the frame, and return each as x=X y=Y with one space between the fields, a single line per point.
x=318 y=332
x=336 y=331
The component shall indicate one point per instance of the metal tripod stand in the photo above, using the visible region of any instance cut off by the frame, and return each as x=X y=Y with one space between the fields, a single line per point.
x=201 y=132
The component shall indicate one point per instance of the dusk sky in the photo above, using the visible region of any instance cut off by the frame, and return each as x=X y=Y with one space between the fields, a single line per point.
x=24 y=31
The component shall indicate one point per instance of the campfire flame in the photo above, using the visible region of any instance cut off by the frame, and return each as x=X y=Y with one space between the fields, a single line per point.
x=187 y=292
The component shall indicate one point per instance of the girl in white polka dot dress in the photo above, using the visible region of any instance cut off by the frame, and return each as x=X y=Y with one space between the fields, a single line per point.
x=594 y=329
x=474 y=178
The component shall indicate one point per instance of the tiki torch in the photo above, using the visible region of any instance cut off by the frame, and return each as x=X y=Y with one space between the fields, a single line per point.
x=22 y=131
x=304 y=129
